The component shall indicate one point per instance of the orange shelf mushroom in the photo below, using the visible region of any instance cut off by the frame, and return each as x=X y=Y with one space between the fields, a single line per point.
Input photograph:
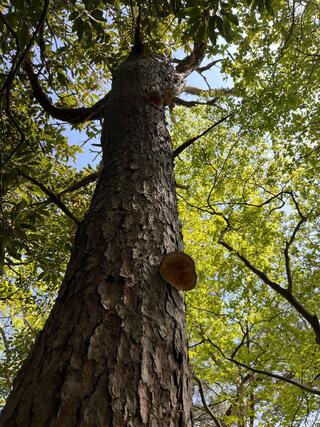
x=178 y=269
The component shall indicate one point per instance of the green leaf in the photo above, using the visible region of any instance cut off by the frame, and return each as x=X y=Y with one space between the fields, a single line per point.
x=211 y=30
x=17 y=209
x=227 y=32
x=219 y=24
x=269 y=7
x=261 y=6
x=23 y=35
x=74 y=15
x=18 y=4
x=62 y=77
x=78 y=27
x=191 y=11
x=231 y=18
x=254 y=4
x=224 y=28
x=98 y=14
x=12 y=252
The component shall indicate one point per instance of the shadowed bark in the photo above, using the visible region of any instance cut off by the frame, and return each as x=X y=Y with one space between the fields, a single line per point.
x=113 y=352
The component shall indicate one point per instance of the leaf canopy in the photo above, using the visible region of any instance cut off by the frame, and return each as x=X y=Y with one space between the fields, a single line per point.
x=248 y=196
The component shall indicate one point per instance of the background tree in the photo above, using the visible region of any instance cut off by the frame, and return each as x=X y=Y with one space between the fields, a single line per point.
x=248 y=198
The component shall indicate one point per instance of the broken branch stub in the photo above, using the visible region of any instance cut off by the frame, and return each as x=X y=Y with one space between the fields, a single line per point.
x=178 y=269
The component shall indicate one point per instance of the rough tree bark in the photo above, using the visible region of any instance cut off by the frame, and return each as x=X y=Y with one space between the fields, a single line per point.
x=113 y=351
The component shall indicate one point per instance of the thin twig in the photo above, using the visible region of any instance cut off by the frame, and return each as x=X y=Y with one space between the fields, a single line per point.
x=52 y=196
x=312 y=319
x=290 y=242
x=264 y=372
x=29 y=45
x=209 y=65
x=287 y=256
x=187 y=143
x=82 y=183
x=203 y=399
x=276 y=376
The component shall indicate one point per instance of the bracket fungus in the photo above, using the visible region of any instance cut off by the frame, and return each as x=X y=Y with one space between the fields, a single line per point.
x=178 y=269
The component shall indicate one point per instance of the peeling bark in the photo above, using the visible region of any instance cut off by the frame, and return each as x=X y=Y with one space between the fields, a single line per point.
x=113 y=351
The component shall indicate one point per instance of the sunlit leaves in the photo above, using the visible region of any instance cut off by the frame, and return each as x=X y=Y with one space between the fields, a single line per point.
x=259 y=170
x=235 y=173
x=262 y=173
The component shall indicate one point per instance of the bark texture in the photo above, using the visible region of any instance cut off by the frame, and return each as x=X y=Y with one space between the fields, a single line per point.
x=113 y=351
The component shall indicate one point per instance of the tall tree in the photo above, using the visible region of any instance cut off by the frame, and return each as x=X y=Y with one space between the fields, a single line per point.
x=113 y=351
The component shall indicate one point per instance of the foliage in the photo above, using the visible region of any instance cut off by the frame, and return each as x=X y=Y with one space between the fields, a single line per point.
x=259 y=174
x=252 y=183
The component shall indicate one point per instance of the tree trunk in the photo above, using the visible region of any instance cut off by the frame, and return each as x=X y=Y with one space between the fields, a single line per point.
x=113 y=351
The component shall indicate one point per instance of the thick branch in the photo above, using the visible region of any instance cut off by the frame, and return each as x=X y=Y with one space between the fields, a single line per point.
x=52 y=196
x=211 y=92
x=185 y=103
x=71 y=115
x=186 y=144
x=312 y=319
x=190 y=62
x=208 y=66
x=203 y=399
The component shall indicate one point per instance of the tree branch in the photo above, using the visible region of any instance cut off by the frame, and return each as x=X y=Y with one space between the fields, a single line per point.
x=185 y=103
x=52 y=196
x=260 y=205
x=208 y=66
x=211 y=92
x=203 y=399
x=276 y=376
x=190 y=62
x=286 y=253
x=312 y=319
x=82 y=183
x=70 y=115
x=263 y=372
x=303 y=219
x=187 y=143
x=15 y=68
x=5 y=339
x=181 y=186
